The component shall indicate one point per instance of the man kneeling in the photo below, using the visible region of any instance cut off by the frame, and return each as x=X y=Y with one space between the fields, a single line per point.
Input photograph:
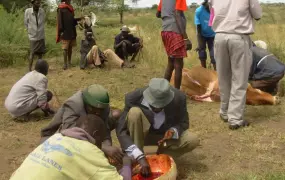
x=30 y=93
x=73 y=154
x=266 y=71
x=92 y=100
x=155 y=115
x=92 y=55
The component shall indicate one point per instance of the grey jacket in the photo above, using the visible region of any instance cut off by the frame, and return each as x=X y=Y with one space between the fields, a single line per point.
x=176 y=115
x=66 y=117
x=35 y=28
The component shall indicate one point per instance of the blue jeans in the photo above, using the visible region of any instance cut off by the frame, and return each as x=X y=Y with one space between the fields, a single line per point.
x=209 y=41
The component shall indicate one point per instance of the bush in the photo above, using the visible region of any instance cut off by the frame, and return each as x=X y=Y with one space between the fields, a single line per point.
x=14 y=47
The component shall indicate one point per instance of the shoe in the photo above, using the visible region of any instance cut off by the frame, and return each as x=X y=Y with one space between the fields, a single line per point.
x=237 y=126
x=223 y=119
x=128 y=65
x=64 y=67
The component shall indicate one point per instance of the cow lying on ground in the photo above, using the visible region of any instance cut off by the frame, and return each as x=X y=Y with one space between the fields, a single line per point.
x=202 y=85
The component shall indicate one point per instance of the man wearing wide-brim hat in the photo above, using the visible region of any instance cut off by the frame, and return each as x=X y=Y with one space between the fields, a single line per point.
x=126 y=44
x=92 y=100
x=155 y=115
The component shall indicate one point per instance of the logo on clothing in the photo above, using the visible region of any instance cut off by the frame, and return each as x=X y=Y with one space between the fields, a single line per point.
x=47 y=148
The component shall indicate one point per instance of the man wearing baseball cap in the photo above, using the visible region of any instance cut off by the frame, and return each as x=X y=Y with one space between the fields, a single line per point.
x=92 y=100
x=126 y=44
x=155 y=115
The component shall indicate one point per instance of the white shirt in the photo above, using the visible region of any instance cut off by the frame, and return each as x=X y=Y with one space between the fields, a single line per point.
x=159 y=119
x=27 y=94
x=235 y=16
x=36 y=31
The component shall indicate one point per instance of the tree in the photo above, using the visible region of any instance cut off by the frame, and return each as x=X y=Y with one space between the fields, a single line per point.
x=155 y=6
x=122 y=7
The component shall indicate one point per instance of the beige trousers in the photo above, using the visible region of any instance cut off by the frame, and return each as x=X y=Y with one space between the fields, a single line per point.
x=234 y=58
x=93 y=56
x=139 y=125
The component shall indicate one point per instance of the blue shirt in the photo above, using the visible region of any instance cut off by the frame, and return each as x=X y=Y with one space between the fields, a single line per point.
x=202 y=17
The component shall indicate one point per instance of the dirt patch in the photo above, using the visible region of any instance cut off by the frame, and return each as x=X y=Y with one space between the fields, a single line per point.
x=253 y=150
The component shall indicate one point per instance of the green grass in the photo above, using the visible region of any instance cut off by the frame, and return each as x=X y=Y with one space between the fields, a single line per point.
x=253 y=153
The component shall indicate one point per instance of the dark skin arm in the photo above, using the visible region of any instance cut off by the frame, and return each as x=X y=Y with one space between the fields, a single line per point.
x=158 y=14
x=178 y=18
x=116 y=46
x=199 y=35
x=113 y=152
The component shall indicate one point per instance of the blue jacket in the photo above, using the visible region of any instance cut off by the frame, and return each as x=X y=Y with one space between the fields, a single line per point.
x=265 y=65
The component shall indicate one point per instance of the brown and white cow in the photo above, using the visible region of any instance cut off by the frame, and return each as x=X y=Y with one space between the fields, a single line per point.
x=202 y=85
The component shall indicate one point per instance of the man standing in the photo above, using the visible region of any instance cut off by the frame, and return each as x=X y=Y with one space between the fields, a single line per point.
x=35 y=24
x=126 y=44
x=205 y=34
x=92 y=100
x=266 y=71
x=155 y=115
x=174 y=36
x=66 y=30
x=233 y=23
x=30 y=93
x=92 y=55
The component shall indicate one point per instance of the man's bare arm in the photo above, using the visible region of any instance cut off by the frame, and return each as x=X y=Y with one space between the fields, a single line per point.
x=178 y=18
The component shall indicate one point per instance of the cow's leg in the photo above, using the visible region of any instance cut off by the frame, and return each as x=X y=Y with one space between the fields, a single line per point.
x=241 y=60
x=224 y=72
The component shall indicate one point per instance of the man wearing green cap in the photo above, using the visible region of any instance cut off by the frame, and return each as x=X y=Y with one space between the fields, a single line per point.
x=92 y=100
x=155 y=115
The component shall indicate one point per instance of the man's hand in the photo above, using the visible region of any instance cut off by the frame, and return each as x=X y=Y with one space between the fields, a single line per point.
x=197 y=49
x=128 y=42
x=188 y=44
x=145 y=168
x=114 y=153
x=48 y=112
x=168 y=135
x=51 y=111
x=158 y=14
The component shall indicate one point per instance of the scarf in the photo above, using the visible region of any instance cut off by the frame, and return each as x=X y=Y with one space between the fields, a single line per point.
x=62 y=5
x=212 y=15
x=78 y=133
x=68 y=6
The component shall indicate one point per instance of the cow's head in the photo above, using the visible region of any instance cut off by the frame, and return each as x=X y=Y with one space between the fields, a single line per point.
x=258 y=97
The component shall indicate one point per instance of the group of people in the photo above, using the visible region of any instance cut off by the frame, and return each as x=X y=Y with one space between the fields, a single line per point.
x=225 y=28
x=153 y=115
x=125 y=45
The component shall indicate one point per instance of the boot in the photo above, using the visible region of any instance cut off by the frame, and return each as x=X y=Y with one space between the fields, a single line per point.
x=65 y=65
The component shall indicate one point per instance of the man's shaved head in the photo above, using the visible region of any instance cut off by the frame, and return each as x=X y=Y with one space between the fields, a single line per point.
x=94 y=126
x=42 y=67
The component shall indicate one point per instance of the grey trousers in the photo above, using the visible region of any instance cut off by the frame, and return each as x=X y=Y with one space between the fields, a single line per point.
x=233 y=58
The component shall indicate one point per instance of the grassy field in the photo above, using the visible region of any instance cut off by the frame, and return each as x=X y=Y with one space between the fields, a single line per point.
x=253 y=153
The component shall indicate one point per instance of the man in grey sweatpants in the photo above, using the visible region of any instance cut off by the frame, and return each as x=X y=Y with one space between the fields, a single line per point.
x=233 y=23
